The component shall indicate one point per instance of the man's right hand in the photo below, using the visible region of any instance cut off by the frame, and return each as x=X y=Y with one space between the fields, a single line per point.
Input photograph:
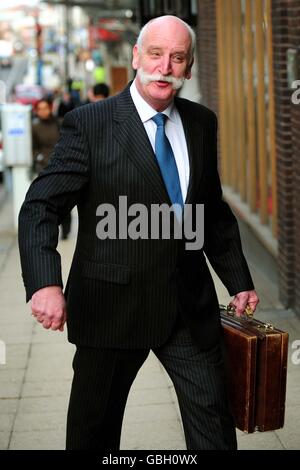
x=48 y=305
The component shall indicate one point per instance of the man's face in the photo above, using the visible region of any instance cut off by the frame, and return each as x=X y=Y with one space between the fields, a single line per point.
x=164 y=54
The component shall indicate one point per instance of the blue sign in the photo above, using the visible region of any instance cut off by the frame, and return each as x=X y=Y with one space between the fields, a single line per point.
x=16 y=131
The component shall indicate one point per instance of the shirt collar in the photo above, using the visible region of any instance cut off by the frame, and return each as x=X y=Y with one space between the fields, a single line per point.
x=145 y=111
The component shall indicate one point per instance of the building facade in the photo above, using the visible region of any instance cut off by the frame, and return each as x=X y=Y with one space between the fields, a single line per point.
x=249 y=72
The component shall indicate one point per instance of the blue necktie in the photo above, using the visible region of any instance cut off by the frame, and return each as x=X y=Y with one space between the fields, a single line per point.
x=166 y=160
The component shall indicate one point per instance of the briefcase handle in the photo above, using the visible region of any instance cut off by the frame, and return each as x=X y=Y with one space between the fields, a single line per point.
x=230 y=310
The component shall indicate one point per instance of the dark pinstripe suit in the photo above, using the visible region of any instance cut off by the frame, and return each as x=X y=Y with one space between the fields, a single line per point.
x=127 y=294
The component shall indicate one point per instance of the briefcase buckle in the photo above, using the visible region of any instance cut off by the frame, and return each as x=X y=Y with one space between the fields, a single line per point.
x=266 y=326
x=230 y=310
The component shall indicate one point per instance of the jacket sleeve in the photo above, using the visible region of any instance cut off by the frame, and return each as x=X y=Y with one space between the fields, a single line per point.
x=222 y=242
x=52 y=195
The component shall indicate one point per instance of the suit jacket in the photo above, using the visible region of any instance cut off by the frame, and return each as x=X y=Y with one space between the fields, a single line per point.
x=128 y=293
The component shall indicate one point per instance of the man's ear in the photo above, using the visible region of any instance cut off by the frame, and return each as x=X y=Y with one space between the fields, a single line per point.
x=188 y=72
x=135 y=58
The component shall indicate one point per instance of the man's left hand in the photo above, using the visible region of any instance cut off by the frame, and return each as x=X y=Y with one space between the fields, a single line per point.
x=242 y=299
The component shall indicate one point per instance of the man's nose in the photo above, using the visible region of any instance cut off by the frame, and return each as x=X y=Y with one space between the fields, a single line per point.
x=165 y=65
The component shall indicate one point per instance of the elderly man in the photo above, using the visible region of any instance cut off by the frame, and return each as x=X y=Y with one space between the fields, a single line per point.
x=128 y=294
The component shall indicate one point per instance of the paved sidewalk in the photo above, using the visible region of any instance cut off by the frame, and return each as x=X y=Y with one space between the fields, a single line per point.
x=36 y=380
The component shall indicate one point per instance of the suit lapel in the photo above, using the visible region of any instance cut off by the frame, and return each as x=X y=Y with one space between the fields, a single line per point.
x=130 y=133
x=194 y=138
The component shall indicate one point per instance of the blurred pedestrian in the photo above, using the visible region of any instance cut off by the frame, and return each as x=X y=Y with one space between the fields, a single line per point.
x=100 y=92
x=75 y=88
x=99 y=73
x=45 y=134
x=65 y=105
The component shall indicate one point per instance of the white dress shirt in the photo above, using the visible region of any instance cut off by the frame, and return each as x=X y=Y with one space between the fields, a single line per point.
x=174 y=132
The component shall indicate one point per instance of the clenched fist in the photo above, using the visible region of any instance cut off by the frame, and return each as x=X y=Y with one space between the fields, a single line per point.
x=48 y=305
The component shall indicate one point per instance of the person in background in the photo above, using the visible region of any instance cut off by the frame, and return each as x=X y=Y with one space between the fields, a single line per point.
x=99 y=73
x=65 y=105
x=98 y=92
x=75 y=87
x=45 y=134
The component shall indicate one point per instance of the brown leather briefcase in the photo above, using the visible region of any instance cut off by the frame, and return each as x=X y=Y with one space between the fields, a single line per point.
x=257 y=367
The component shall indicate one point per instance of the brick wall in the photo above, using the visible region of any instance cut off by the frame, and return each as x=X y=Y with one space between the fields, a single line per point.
x=286 y=34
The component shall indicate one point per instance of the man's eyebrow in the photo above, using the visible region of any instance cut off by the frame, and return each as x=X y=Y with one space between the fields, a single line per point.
x=179 y=52
x=159 y=48
x=154 y=47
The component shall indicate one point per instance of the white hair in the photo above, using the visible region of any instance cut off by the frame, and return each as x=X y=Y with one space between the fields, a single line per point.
x=191 y=32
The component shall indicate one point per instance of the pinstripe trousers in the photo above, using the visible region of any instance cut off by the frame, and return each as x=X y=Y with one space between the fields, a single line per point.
x=103 y=377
